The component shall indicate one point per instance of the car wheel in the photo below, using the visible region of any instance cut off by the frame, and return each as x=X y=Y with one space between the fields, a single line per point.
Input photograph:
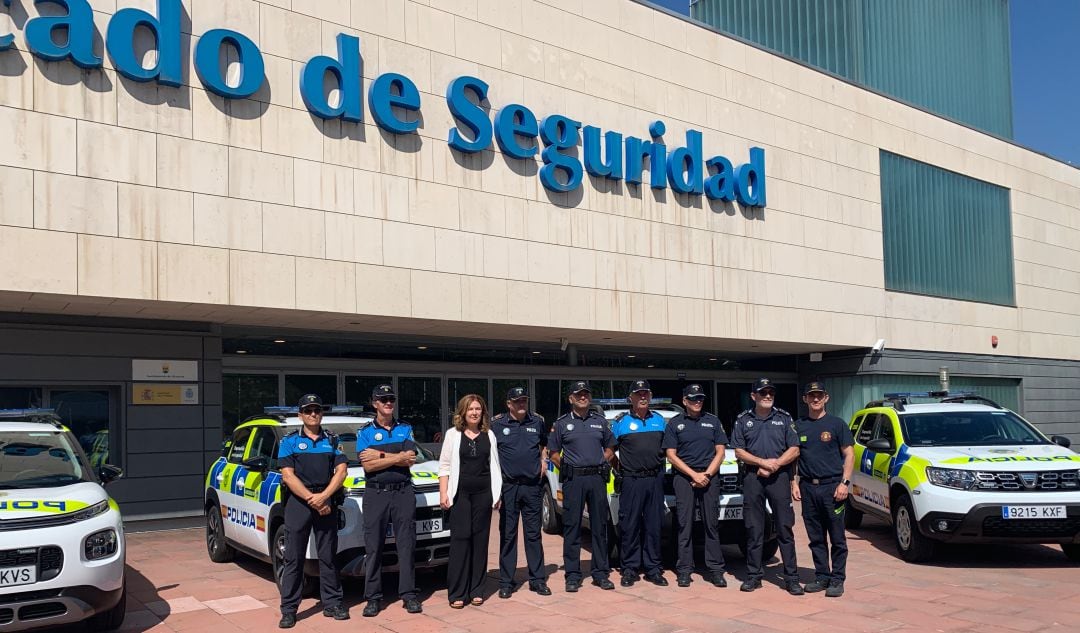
x=550 y=521
x=852 y=517
x=1072 y=552
x=277 y=554
x=216 y=546
x=910 y=542
x=112 y=619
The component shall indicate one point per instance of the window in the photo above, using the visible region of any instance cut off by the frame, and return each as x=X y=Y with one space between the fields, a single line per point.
x=264 y=445
x=420 y=404
x=358 y=388
x=245 y=395
x=297 y=385
x=883 y=429
x=945 y=235
x=866 y=431
x=88 y=413
x=239 y=445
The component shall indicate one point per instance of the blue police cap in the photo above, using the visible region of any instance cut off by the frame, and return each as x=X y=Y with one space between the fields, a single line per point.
x=693 y=391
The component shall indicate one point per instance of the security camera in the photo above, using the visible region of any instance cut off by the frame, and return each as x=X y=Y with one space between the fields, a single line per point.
x=563 y=342
x=879 y=346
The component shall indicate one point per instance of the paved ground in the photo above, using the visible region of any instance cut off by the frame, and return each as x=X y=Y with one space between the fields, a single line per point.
x=174 y=587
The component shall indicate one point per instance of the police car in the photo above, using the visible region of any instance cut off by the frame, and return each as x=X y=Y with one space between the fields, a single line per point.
x=243 y=497
x=730 y=508
x=962 y=469
x=62 y=548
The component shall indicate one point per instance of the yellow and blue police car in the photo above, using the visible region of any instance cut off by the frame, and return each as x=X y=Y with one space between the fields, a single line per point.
x=730 y=507
x=962 y=469
x=62 y=547
x=243 y=497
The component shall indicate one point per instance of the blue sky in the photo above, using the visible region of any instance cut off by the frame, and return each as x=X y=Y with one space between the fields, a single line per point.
x=1045 y=74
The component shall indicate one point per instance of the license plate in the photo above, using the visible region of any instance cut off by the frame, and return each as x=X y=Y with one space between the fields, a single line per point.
x=14 y=576
x=1033 y=512
x=731 y=514
x=424 y=526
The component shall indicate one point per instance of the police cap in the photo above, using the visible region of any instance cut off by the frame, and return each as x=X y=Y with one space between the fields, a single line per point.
x=308 y=400
x=383 y=391
x=811 y=387
x=640 y=385
x=579 y=386
x=517 y=392
x=693 y=392
x=762 y=384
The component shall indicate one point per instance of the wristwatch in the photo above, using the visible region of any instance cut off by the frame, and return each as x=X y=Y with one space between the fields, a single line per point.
x=382 y=455
x=846 y=482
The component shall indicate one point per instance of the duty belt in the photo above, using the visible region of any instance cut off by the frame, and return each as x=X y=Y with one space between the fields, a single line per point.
x=586 y=470
x=636 y=474
x=401 y=485
x=823 y=480
x=521 y=481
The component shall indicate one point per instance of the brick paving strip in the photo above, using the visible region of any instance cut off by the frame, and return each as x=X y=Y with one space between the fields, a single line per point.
x=174 y=587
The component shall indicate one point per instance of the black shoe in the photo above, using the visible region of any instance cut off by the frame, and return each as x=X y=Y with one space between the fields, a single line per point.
x=816 y=586
x=540 y=588
x=412 y=605
x=338 y=613
x=835 y=590
x=718 y=580
x=506 y=592
x=288 y=621
x=603 y=583
x=628 y=580
x=657 y=579
x=372 y=608
x=750 y=585
x=572 y=586
x=683 y=580
x=794 y=588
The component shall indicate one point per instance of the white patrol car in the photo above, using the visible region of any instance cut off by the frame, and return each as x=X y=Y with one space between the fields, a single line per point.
x=62 y=548
x=243 y=497
x=730 y=508
x=962 y=470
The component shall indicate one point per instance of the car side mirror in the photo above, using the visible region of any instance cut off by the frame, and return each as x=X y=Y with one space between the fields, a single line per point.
x=108 y=473
x=257 y=464
x=1062 y=441
x=880 y=445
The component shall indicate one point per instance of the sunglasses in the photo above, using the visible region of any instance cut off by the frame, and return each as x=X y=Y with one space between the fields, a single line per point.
x=312 y=411
x=767 y=394
x=386 y=400
x=696 y=398
x=816 y=395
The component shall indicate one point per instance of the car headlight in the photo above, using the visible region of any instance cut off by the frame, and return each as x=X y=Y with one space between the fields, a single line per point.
x=951 y=477
x=100 y=507
x=100 y=544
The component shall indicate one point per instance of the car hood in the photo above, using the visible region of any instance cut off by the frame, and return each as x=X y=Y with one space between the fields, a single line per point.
x=39 y=502
x=423 y=474
x=991 y=458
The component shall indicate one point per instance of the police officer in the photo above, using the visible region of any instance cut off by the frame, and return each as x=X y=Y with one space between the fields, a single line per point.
x=313 y=467
x=765 y=442
x=826 y=458
x=695 y=443
x=521 y=437
x=386 y=450
x=580 y=446
x=639 y=434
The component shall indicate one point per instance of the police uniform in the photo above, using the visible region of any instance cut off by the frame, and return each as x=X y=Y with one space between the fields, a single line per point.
x=767 y=438
x=521 y=444
x=583 y=473
x=313 y=462
x=695 y=441
x=821 y=469
x=641 y=498
x=389 y=499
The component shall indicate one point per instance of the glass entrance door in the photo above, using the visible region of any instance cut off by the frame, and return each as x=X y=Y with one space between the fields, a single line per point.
x=89 y=414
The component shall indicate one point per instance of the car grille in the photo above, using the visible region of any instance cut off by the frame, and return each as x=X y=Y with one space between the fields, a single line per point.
x=1042 y=528
x=7 y=616
x=18 y=557
x=49 y=560
x=433 y=512
x=1028 y=481
x=42 y=611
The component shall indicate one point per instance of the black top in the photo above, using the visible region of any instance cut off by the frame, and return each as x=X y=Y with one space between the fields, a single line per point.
x=520 y=444
x=475 y=457
x=765 y=438
x=820 y=442
x=581 y=440
x=695 y=439
x=313 y=461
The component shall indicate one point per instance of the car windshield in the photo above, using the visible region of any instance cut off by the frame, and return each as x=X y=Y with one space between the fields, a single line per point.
x=347 y=436
x=968 y=428
x=40 y=459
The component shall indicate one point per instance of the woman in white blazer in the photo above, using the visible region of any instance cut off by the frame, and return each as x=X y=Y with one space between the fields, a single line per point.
x=470 y=486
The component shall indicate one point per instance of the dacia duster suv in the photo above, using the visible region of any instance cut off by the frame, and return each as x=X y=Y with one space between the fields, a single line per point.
x=962 y=469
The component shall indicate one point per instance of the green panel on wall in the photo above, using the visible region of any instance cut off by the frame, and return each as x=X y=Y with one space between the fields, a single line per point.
x=948 y=56
x=849 y=394
x=945 y=234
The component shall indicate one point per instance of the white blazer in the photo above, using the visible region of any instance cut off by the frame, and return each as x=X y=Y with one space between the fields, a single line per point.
x=450 y=464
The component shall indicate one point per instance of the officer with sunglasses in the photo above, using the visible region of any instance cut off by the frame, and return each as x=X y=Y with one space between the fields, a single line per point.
x=766 y=445
x=387 y=450
x=695 y=443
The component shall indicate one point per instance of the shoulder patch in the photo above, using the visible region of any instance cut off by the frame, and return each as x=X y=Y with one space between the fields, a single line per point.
x=779 y=410
x=500 y=417
x=538 y=416
x=746 y=412
x=621 y=416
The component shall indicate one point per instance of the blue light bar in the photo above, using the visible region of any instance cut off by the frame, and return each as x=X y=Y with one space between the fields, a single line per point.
x=26 y=413
x=927 y=394
x=624 y=401
x=336 y=409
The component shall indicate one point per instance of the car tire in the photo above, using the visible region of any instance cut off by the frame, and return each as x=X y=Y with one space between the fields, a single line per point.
x=217 y=547
x=852 y=517
x=113 y=618
x=277 y=557
x=1072 y=552
x=550 y=521
x=910 y=542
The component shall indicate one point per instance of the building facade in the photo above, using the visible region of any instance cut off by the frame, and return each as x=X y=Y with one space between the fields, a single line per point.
x=221 y=217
